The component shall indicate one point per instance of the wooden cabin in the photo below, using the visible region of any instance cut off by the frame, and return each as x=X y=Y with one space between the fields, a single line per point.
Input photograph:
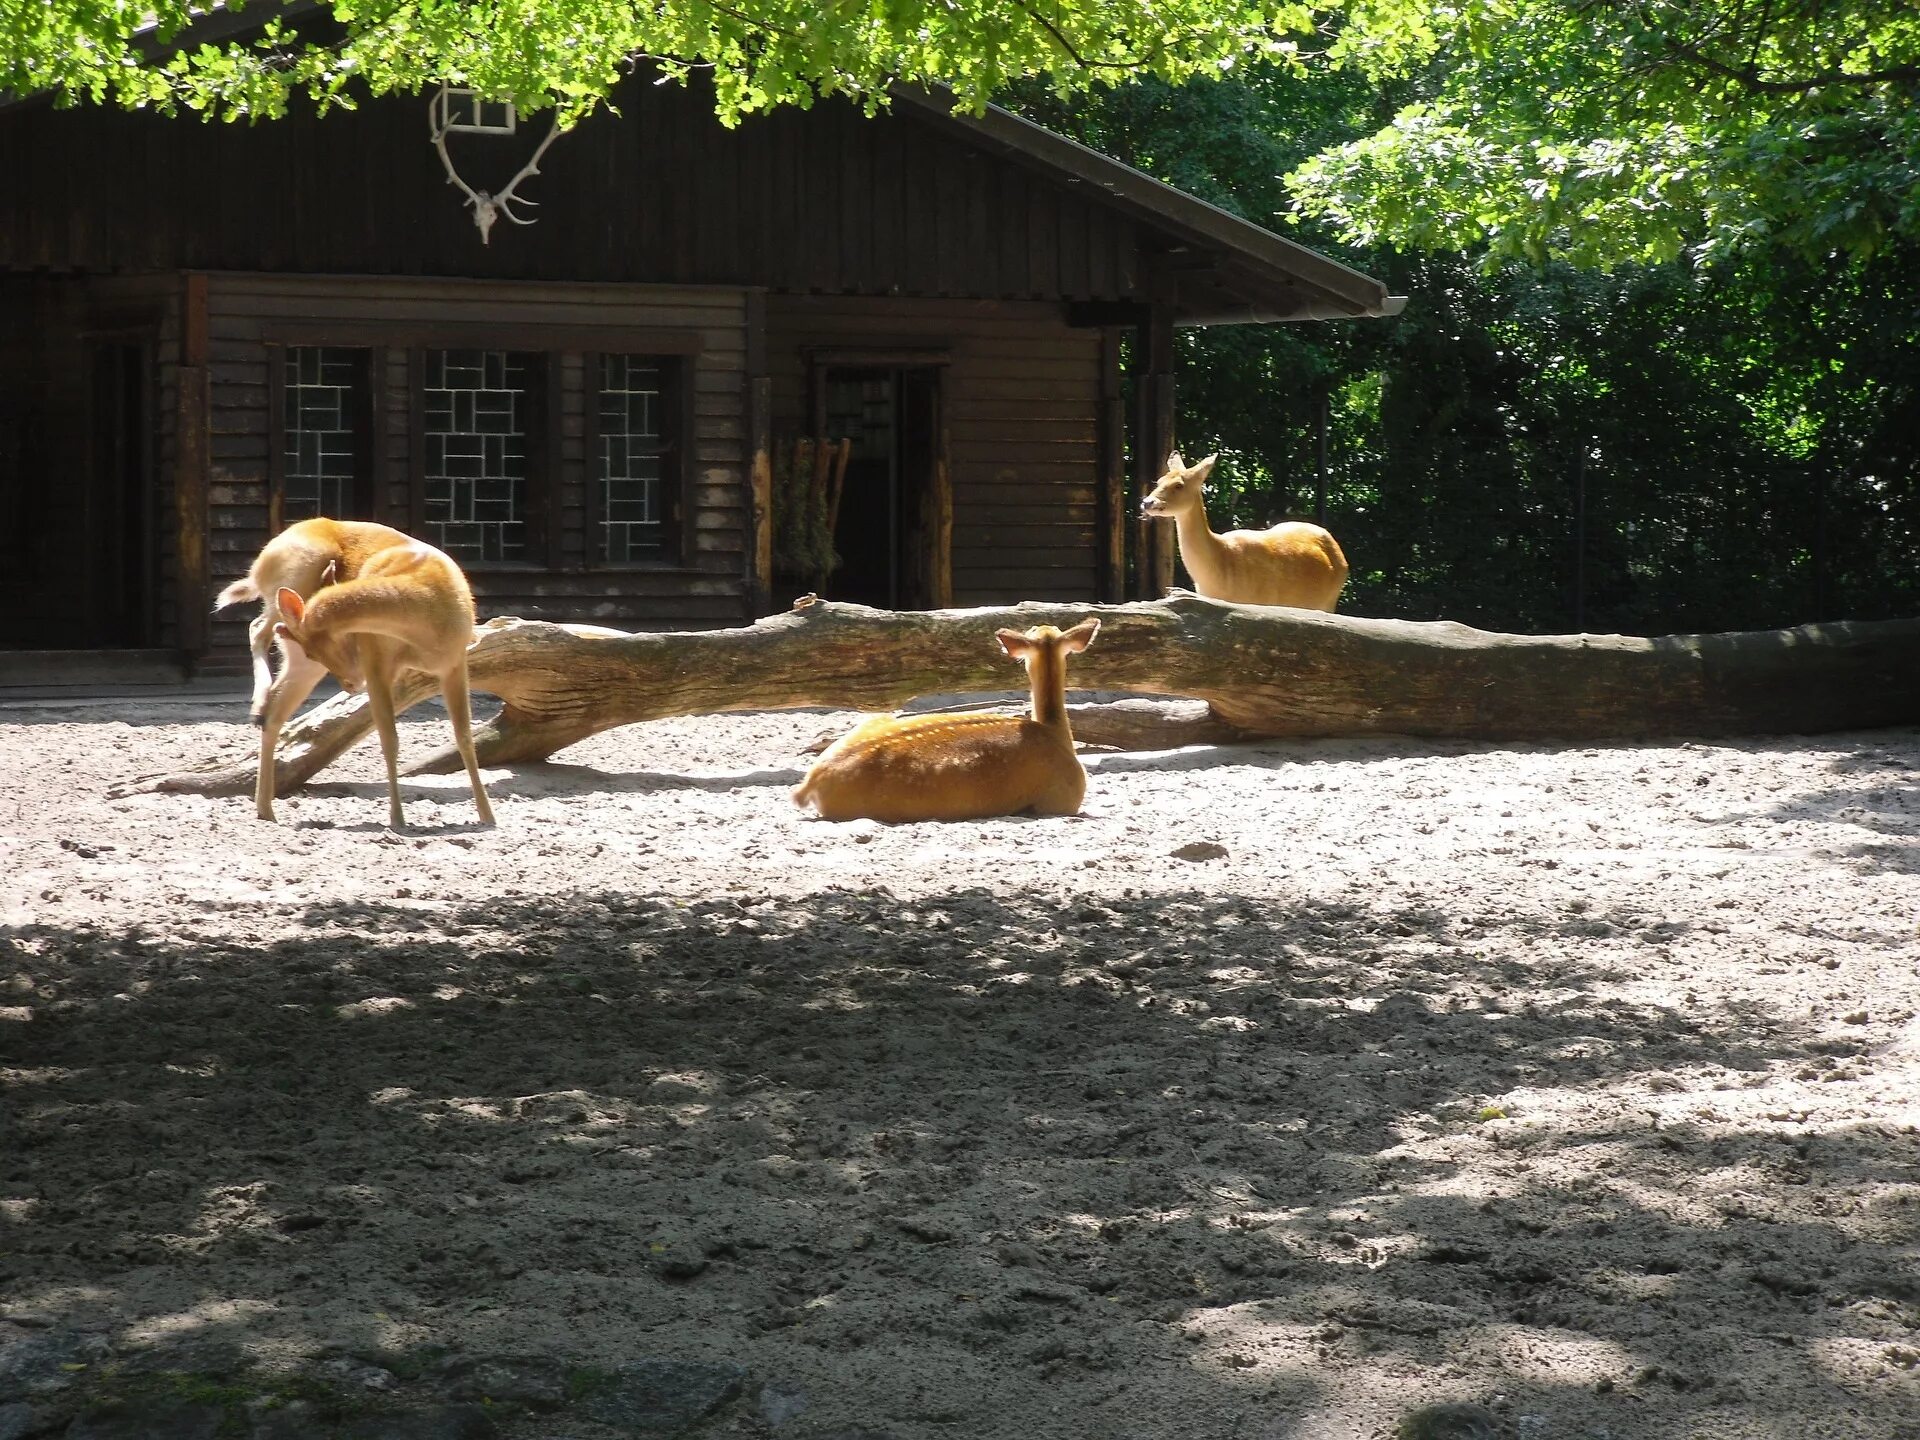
x=210 y=330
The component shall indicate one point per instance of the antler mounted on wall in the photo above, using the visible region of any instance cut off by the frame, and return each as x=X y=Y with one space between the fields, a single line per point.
x=487 y=206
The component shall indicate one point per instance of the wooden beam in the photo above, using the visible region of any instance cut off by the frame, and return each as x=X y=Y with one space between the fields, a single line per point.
x=192 y=423
x=1153 y=397
x=759 y=420
x=1113 y=491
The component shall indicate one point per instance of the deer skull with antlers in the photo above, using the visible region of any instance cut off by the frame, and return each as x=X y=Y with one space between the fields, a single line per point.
x=487 y=206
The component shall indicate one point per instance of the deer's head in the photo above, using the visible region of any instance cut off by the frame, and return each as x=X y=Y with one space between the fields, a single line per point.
x=338 y=653
x=1181 y=489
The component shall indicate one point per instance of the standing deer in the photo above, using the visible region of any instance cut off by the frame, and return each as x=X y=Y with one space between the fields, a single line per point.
x=963 y=767
x=301 y=558
x=406 y=606
x=1294 y=563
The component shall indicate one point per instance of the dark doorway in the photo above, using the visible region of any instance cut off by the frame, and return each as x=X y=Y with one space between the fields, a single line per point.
x=120 y=519
x=891 y=414
x=77 y=526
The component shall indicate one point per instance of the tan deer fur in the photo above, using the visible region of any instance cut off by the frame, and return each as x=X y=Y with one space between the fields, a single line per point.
x=301 y=558
x=963 y=767
x=1294 y=563
x=408 y=608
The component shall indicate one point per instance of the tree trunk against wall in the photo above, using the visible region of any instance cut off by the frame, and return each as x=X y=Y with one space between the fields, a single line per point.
x=1263 y=672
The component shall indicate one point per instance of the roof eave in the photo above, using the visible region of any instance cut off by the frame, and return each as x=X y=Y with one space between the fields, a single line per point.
x=1338 y=290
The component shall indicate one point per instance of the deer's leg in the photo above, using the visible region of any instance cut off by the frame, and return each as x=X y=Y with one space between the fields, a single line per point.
x=298 y=676
x=380 y=696
x=453 y=688
x=260 y=642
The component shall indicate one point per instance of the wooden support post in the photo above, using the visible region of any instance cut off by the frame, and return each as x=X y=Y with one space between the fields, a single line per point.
x=192 y=421
x=1165 y=542
x=759 y=400
x=940 y=506
x=1153 y=442
x=1115 y=498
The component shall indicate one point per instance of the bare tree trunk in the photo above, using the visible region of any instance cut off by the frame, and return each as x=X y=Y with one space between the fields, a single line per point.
x=1263 y=671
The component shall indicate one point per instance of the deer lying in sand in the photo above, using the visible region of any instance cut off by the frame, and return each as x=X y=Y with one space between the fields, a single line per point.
x=1294 y=563
x=963 y=767
x=406 y=606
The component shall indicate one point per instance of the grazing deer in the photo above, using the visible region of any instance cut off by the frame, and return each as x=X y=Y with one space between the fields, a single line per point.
x=301 y=558
x=963 y=767
x=407 y=607
x=1294 y=563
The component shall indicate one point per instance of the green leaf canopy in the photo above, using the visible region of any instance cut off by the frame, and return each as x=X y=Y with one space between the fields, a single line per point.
x=571 y=53
x=1608 y=131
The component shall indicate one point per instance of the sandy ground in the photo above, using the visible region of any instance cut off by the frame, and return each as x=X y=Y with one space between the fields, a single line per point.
x=1285 y=1089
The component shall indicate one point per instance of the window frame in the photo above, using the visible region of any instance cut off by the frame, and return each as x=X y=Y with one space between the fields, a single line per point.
x=678 y=378
x=550 y=348
x=368 y=381
x=544 y=460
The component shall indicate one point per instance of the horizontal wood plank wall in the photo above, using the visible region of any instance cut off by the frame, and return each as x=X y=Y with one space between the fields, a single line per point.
x=1022 y=394
x=248 y=312
x=823 y=200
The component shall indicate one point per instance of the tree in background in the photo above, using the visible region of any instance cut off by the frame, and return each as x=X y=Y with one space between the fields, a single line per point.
x=1566 y=429
x=248 y=61
x=1608 y=131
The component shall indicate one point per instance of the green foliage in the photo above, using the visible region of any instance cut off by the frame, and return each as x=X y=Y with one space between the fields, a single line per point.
x=1608 y=132
x=1658 y=448
x=571 y=53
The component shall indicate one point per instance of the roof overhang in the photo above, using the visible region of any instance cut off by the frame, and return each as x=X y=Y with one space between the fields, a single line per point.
x=1224 y=270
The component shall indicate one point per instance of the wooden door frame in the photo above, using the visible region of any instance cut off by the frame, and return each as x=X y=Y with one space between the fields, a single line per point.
x=142 y=337
x=936 y=528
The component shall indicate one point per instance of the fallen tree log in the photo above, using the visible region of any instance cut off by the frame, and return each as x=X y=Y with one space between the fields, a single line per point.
x=1264 y=672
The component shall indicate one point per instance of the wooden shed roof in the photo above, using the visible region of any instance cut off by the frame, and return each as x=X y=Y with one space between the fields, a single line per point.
x=1229 y=270
x=1215 y=268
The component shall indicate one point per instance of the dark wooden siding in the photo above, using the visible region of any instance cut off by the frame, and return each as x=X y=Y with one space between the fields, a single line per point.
x=248 y=312
x=1022 y=391
x=809 y=201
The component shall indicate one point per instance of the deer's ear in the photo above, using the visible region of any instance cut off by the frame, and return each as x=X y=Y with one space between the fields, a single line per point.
x=1202 y=468
x=1014 y=643
x=1174 y=462
x=1080 y=636
x=291 y=605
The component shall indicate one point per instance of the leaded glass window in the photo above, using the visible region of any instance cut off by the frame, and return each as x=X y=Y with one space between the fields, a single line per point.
x=476 y=408
x=321 y=420
x=633 y=423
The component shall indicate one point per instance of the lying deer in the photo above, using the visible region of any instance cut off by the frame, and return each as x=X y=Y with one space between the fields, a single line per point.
x=1294 y=563
x=407 y=607
x=963 y=767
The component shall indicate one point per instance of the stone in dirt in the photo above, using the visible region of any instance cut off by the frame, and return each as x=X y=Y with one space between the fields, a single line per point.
x=437 y=1422
x=663 y=1397
x=186 y=1422
x=44 y=1364
x=781 y=1404
x=1200 y=850
x=1450 y=1422
x=676 y=1257
x=534 y=1380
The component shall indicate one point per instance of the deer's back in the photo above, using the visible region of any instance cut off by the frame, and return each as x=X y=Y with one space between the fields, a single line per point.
x=946 y=767
x=1294 y=563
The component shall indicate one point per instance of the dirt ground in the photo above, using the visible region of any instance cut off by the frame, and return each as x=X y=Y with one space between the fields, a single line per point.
x=1287 y=1088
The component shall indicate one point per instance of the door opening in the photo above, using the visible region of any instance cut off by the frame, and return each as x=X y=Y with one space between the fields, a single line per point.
x=119 y=519
x=891 y=414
